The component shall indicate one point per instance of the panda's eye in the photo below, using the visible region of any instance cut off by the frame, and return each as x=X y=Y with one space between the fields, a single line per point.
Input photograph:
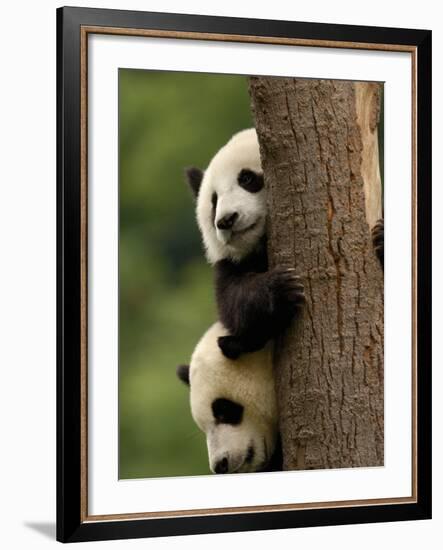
x=226 y=411
x=214 y=200
x=245 y=177
x=250 y=181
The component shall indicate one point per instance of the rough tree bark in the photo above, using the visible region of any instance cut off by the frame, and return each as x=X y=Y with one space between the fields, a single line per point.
x=319 y=151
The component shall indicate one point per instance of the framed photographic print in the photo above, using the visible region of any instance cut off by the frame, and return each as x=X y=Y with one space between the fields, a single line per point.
x=235 y=349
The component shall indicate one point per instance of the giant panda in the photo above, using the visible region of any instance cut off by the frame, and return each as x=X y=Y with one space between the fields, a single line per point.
x=254 y=304
x=233 y=402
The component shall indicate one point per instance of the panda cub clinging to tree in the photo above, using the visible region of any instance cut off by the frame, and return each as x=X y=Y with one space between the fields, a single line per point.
x=254 y=304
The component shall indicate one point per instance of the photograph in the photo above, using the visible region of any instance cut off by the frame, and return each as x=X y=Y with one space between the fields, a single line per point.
x=251 y=251
x=235 y=352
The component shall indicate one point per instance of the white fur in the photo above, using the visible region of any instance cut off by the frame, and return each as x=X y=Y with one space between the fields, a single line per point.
x=241 y=152
x=247 y=381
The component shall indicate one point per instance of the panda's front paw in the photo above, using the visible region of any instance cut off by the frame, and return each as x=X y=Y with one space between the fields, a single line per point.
x=286 y=287
x=378 y=240
x=230 y=346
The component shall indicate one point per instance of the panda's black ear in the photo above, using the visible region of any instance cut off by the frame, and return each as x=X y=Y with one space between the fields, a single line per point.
x=183 y=373
x=194 y=177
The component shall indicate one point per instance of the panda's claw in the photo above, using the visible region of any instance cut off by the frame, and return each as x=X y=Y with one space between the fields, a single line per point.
x=378 y=240
x=297 y=297
x=286 y=285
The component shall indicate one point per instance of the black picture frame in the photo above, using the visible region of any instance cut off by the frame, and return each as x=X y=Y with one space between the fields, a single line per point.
x=72 y=526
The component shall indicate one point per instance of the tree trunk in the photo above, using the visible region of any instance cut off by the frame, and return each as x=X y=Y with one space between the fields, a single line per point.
x=318 y=144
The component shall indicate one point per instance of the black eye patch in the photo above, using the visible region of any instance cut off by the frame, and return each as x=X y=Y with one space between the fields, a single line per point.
x=250 y=181
x=226 y=411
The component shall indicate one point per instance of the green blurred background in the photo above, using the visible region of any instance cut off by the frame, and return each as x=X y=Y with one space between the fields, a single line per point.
x=167 y=121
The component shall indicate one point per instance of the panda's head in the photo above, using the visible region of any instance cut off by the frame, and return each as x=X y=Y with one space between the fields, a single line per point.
x=234 y=404
x=231 y=199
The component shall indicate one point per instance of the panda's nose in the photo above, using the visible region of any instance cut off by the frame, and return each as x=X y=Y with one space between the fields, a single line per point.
x=222 y=466
x=227 y=221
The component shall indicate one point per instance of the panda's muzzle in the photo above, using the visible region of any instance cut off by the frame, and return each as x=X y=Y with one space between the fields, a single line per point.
x=227 y=221
x=224 y=467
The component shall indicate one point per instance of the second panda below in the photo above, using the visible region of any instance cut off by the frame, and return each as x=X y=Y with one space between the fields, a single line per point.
x=234 y=404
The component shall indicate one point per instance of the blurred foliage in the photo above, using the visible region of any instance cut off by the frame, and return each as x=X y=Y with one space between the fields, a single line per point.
x=167 y=121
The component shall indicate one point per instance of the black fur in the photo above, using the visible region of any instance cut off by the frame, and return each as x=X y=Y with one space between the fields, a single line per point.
x=378 y=240
x=250 y=180
x=276 y=462
x=194 y=177
x=226 y=411
x=183 y=373
x=254 y=304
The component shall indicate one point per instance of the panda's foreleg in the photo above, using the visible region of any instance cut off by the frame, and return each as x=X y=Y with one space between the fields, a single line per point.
x=255 y=307
x=245 y=306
